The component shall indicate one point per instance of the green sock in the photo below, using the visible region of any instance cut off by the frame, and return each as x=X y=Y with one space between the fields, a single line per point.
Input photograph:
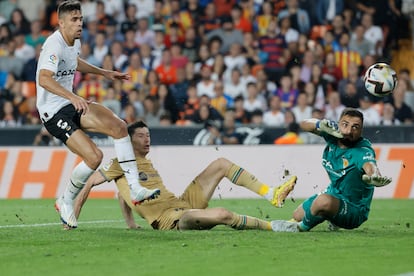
x=309 y=221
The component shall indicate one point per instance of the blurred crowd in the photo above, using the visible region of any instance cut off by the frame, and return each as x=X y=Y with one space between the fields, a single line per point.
x=220 y=63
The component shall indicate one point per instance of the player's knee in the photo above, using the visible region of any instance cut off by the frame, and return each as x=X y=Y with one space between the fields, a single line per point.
x=299 y=213
x=324 y=205
x=94 y=159
x=118 y=129
x=224 y=215
x=222 y=163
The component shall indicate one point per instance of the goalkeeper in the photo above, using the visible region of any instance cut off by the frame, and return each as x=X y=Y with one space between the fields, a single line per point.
x=349 y=160
x=189 y=211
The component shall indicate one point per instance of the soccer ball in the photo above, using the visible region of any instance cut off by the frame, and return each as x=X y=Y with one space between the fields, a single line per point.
x=380 y=79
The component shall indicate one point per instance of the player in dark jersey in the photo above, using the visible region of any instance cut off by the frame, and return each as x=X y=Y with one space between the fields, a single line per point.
x=349 y=160
x=188 y=211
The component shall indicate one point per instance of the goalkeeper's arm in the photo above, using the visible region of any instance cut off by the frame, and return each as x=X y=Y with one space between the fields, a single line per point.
x=373 y=177
x=321 y=126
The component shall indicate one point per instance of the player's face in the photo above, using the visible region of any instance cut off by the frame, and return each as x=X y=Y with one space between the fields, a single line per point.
x=351 y=129
x=141 y=141
x=71 y=25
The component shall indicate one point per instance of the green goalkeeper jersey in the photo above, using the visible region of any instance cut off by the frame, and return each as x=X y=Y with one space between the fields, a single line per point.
x=344 y=168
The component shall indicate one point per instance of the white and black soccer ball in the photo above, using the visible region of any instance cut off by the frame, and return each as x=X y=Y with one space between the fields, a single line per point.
x=380 y=79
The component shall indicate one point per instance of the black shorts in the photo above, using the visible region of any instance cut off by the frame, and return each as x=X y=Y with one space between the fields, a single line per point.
x=64 y=123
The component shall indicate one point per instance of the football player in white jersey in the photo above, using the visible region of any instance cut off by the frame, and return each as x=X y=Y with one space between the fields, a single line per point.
x=67 y=115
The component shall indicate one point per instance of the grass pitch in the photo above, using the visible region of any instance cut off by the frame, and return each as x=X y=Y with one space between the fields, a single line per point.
x=32 y=242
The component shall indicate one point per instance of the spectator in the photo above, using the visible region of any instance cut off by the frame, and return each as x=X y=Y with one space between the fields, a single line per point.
x=286 y=92
x=177 y=58
x=359 y=43
x=5 y=35
x=250 y=49
x=229 y=134
x=285 y=29
x=302 y=110
x=326 y=10
x=334 y=107
x=18 y=22
x=144 y=35
x=136 y=72
x=136 y=98
x=344 y=56
x=111 y=101
x=119 y=59
x=166 y=71
x=191 y=44
x=100 y=49
x=210 y=21
x=388 y=118
x=371 y=115
x=86 y=54
x=402 y=111
x=9 y=116
x=151 y=111
x=289 y=117
x=306 y=68
x=206 y=113
x=158 y=47
x=240 y=22
x=221 y=101
x=373 y=33
x=128 y=114
x=299 y=17
x=130 y=22
x=206 y=85
x=179 y=89
x=129 y=44
x=254 y=100
x=151 y=84
x=23 y=50
x=10 y=63
x=350 y=95
x=227 y=34
x=240 y=115
x=92 y=88
x=218 y=68
x=115 y=9
x=235 y=86
x=310 y=138
x=272 y=46
x=256 y=118
x=191 y=105
x=291 y=136
x=35 y=37
x=147 y=58
x=331 y=72
x=263 y=19
x=274 y=117
x=204 y=58
x=144 y=7
x=167 y=103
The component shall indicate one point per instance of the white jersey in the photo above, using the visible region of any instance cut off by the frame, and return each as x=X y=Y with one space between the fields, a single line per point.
x=61 y=59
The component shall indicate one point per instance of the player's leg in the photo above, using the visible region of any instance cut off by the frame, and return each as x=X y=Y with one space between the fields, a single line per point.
x=204 y=219
x=102 y=120
x=220 y=168
x=312 y=212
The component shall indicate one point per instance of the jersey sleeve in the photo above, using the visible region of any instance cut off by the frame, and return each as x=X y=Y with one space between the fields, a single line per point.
x=365 y=154
x=50 y=56
x=112 y=170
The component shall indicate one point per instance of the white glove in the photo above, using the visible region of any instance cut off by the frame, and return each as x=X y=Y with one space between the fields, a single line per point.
x=330 y=127
x=376 y=180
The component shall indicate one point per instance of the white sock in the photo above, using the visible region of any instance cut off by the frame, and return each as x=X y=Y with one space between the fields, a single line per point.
x=79 y=176
x=127 y=161
x=269 y=194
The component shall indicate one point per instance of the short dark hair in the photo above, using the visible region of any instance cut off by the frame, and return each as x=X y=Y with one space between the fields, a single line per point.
x=68 y=6
x=133 y=126
x=352 y=112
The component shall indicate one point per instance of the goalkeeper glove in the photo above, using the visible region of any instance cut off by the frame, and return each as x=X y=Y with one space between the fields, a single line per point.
x=376 y=180
x=329 y=127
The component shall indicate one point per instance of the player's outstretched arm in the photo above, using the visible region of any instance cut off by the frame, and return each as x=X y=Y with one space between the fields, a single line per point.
x=127 y=213
x=85 y=67
x=373 y=177
x=95 y=179
x=321 y=126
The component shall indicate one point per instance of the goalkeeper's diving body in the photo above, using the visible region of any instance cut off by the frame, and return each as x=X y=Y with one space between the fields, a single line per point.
x=188 y=211
x=349 y=160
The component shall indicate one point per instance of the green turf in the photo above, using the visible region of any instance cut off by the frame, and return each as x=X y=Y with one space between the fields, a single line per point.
x=384 y=245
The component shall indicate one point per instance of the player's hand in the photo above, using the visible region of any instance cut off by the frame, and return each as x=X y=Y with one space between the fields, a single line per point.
x=114 y=75
x=81 y=105
x=376 y=180
x=329 y=127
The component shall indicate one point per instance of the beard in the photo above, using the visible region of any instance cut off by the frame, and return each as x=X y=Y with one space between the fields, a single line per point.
x=348 y=142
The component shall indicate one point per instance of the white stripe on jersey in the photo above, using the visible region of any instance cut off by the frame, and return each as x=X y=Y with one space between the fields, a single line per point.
x=58 y=57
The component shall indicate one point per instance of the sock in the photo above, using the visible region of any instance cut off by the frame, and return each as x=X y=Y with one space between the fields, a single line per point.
x=127 y=161
x=79 y=176
x=241 y=177
x=243 y=222
x=309 y=221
